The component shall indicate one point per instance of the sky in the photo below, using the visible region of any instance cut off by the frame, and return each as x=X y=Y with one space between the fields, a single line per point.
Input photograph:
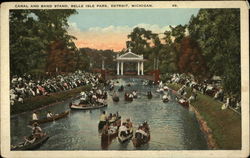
x=108 y=28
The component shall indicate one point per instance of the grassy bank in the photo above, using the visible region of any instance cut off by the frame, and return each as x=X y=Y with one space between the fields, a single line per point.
x=39 y=101
x=225 y=124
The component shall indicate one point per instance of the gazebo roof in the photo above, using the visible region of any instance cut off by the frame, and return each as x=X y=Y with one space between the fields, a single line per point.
x=129 y=56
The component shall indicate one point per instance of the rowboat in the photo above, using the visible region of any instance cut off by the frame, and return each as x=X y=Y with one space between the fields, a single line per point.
x=86 y=107
x=54 y=117
x=183 y=102
x=165 y=88
x=160 y=90
x=101 y=124
x=109 y=136
x=121 y=89
x=149 y=96
x=31 y=146
x=115 y=98
x=165 y=98
x=139 y=142
x=123 y=139
x=128 y=98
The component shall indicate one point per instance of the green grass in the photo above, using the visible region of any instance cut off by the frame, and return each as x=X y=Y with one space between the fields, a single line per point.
x=40 y=101
x=225 y=124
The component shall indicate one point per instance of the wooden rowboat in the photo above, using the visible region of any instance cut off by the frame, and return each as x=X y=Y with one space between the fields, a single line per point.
x=123 y=139
x=53 y=118
x=115 y=99
x=121 y=89
x=86 y=107
x=183 y=102
x=102 y=124
x=35 y=145
x=165 y=100
x=109 y=136
x=128 y=98
x=149 y=96
x=139 y=142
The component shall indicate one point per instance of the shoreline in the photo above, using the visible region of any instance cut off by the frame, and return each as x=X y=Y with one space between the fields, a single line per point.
x=220 y=127
x=41 y=102
x=211 y=143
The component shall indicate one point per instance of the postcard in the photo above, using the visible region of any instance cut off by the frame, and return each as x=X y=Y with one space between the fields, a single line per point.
x=125 y=79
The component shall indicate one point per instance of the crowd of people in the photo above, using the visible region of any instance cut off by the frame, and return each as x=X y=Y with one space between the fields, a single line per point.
x=96 y=96
x=25 y=86
x=206 y=87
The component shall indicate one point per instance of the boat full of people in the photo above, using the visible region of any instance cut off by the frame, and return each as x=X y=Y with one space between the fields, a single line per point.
x=114 y=118
x=125 y=132
x=165 y=98
x=91 y=100
x=128 y=96
x=142 y=135
x=184 y=102
x=115 y=97
x=110 y=129
x=49 y=118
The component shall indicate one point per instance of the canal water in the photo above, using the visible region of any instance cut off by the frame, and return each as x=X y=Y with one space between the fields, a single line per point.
x=172 y=126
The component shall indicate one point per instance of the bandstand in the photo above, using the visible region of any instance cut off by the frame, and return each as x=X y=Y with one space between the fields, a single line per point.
x=129 y=57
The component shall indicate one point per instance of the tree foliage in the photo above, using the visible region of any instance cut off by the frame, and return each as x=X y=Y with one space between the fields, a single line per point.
x=32 y=32
x=191 y=60
x=217 y=32
x=208 y=45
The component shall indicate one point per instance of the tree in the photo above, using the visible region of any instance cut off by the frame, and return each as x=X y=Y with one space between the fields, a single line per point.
x=139 y=40
x=191 y=59
x=32 y=33
x=217 y=32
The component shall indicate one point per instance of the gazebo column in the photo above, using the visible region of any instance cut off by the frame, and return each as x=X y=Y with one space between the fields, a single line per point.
x=118 y=67
x=122 y=68
x=142 y=68
x=138 y=68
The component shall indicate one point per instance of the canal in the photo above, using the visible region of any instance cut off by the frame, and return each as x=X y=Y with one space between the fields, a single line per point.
x=172 y=126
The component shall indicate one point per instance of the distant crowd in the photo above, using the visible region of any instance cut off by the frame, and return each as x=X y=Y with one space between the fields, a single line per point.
x=25 y=86
x=211 y=88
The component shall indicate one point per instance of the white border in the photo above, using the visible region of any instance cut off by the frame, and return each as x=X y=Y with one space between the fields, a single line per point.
x=5 y=111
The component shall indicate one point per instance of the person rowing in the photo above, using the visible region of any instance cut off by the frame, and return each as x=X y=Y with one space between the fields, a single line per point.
x=129 y=124
x=103 y=120
x=113 y=118
x=34 y=116
x=49 y=114
x=134 y=94
x=131 y=96
x=37 y=131
x=123 y=130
